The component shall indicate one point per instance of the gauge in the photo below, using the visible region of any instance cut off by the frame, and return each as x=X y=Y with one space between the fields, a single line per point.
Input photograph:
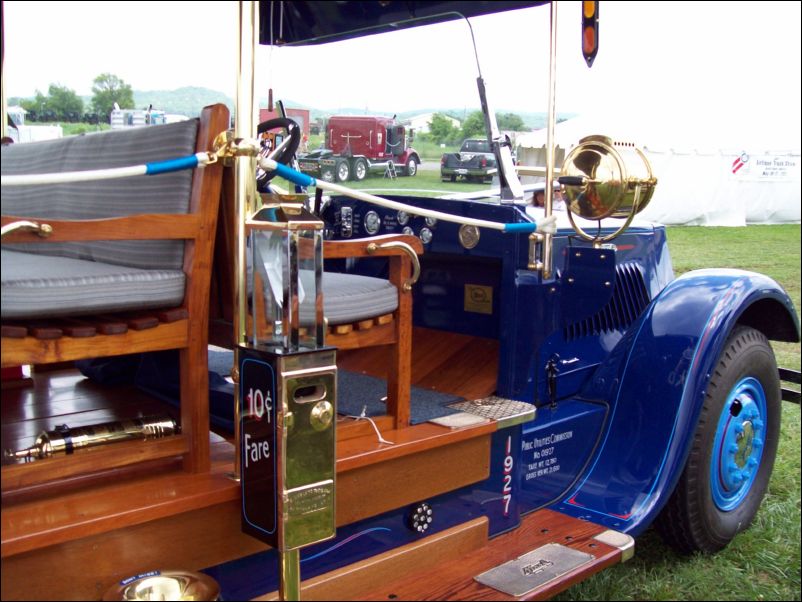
x=426 y=235
x=402 y=217
x=372 y=222
x=408 y=231
x=468 y=236
x=431 y=222
x=346 y=222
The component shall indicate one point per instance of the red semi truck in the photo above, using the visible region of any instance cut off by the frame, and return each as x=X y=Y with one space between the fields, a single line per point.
x=358 y=145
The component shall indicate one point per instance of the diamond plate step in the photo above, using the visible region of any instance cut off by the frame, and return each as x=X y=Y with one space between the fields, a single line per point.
x=506 y=412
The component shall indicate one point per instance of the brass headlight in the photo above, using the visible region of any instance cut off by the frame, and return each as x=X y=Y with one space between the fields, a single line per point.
x=602 y=178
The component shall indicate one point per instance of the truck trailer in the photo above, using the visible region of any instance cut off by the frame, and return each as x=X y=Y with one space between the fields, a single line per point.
x=357 y=145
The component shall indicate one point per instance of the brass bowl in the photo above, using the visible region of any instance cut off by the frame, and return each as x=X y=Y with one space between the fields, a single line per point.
x=165 y=585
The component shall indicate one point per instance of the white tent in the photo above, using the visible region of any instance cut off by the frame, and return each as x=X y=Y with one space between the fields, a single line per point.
x=740 y=178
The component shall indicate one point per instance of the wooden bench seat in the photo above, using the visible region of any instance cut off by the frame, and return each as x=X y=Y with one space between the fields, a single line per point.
x=150 y=226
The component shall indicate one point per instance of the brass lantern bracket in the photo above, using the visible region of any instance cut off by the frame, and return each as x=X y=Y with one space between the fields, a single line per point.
x=227 y=147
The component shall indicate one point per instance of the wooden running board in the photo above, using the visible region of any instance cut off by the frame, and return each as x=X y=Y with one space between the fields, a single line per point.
x=444 y=565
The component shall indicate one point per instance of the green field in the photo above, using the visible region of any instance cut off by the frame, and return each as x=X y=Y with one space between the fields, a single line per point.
x=424 y=183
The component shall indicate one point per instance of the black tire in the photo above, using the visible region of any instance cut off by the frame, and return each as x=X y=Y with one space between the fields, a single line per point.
x=720 y=490
x=411 y=167
x=453 y=178
x=327 y=174
x=360 y=170
x=342 y=171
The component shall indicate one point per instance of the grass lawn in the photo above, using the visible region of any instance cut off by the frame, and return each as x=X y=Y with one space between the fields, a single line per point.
x=425 y=180
x=424 y=183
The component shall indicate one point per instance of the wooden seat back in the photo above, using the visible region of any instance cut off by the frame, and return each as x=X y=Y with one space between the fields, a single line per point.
x=42 y=340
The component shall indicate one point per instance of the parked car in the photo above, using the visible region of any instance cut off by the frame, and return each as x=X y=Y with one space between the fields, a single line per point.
x=475 y=162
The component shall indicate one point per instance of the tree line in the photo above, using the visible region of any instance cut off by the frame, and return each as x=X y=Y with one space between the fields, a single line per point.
x=63 y=104
x=443 y=131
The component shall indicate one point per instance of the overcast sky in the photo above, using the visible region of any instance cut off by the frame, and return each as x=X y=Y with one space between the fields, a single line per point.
x=721 y=63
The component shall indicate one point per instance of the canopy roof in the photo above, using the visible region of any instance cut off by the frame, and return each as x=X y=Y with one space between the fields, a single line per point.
x=310 y=22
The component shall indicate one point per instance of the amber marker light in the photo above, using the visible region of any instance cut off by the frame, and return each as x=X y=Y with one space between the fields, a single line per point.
x=590 y=30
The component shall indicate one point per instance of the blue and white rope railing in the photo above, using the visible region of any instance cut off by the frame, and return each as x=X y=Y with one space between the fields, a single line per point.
x=145 y=169
x=546 y=225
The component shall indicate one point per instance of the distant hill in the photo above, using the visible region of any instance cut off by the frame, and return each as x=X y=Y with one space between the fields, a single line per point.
x=187 y=101
x=191 y=99
x=533 y=121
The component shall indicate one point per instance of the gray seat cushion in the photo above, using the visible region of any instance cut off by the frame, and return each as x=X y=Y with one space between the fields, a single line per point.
x=346 y=297
x=41 y=286
x=351 y=298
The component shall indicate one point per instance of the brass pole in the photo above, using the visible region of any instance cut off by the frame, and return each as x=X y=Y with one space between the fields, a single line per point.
x=290 y=585
x=246 y=202
x=550 y=158
x=244 y=186
x=4 y=124
x=4 y=128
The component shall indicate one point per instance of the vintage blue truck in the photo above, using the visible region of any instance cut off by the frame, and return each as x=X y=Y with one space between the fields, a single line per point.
x=620 y=397
x=506 y=399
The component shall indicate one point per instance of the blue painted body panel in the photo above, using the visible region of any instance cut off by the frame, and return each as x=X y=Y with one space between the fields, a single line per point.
x=555 y=449
x=643 y=350
x=655 y=381
x=629 y=350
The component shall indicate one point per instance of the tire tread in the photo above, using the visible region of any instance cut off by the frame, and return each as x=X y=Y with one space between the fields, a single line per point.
x=681 y=523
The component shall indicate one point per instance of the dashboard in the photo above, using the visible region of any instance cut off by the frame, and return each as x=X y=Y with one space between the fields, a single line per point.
x=347 y=219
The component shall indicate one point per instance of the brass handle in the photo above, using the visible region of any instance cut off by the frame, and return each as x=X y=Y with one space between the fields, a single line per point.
x=397 y=244
x=574 y=180
x=43 y=230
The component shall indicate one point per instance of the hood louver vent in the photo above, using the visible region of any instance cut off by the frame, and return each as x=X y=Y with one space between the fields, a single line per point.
x=630 y=298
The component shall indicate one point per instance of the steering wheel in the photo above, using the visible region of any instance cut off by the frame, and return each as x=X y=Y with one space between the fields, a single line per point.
x=287 y=153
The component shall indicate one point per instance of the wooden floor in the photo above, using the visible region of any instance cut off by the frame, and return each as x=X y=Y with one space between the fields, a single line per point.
x=443 y=566
x=65 y=396
x=458 y=364
x=461 y=365
x=95 y=517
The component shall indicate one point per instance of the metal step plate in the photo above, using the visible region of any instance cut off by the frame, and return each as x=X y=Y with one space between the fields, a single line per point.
x=459 y=420
x=506 y=412
x=532 y=570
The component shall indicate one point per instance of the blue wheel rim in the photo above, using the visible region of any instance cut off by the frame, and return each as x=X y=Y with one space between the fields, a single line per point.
x=739 y=442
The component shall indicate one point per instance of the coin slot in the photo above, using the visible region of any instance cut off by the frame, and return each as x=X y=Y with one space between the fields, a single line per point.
x=309 y=393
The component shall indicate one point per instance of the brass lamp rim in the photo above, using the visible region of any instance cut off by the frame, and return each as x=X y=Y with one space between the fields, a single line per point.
x=164 y=585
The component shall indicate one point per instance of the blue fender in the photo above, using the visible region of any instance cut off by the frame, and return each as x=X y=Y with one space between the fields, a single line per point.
x=655 y=381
